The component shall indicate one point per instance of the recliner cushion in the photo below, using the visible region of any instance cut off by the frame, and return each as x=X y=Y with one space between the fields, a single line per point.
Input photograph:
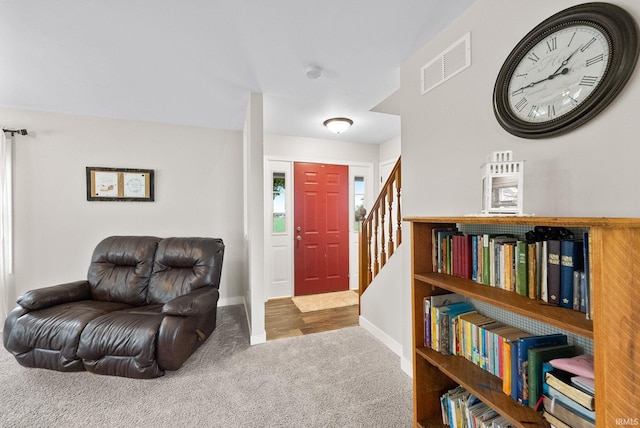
x=123 y=343
x=183 y=265
x=48 y=338
x=120 y=268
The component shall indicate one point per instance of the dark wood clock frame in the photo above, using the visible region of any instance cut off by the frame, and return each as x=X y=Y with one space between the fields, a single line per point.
x=621 y=31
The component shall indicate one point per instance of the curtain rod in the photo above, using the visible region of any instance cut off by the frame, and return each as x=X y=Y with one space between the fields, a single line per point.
x=15 y=131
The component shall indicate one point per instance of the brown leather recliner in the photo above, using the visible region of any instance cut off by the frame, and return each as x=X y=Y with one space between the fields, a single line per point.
x=147 y=304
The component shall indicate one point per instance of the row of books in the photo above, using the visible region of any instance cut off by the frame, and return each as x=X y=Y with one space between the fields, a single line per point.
x=568 y=402
x=461 y=409
x=453 y=327
x=569 y=392
x=555 y=270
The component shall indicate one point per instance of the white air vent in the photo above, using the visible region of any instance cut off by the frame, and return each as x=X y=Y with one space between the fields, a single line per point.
x=447 y=64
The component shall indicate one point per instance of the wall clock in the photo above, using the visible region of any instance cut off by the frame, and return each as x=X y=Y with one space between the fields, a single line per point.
x=566 y=70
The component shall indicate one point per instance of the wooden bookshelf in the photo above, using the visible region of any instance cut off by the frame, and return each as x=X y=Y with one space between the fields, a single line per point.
x=614 y=245
x=572 y=321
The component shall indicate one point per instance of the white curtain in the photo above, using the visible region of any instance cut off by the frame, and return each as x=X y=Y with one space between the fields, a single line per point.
x=6 y=224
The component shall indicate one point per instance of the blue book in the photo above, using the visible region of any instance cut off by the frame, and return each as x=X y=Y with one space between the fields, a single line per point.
x=432 y=302
x=546 y=367
x=474 y=258
x=437 y=320
x=514 y=369
x=487 y=352
x=447 y=317
x=582 y=307
x=571 y=259
x=524 y=344
x=587 y=290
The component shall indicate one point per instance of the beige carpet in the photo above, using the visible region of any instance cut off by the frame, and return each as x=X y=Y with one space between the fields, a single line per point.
x=339 y=378
x=318 y=302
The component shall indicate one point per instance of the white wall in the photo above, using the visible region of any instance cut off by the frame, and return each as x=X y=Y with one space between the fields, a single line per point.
x=254 y=230
x=589 y=172
x=390 y=149
x=381 y=304
x=319 y=150
x=382 y=308
x=198 y=192
x=447 y=133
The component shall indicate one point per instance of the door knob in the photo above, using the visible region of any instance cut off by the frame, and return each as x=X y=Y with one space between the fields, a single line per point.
x=298 y=228
x=298 y=238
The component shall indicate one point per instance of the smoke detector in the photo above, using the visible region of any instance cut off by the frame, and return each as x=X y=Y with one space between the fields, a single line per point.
x=313 y=72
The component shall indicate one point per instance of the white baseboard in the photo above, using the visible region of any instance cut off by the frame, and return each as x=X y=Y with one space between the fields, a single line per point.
x=254 y=339
x=383 y=337
x=230 y=301
x=406 y=366
x=389 y=342
x=258 y=339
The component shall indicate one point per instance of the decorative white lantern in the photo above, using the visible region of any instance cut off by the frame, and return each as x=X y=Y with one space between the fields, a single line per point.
x=502 y=184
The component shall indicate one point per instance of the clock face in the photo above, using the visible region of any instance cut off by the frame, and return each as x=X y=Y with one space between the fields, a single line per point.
x=558 y=73
x=566 y=70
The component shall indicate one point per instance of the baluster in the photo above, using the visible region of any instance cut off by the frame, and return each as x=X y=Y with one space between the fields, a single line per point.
x=369 y=255
x=391 y=246
x=383 y=250
x=376 y=265
x=399 y=213
x=364 y=268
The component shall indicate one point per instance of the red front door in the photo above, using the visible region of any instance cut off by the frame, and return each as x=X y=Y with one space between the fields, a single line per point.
x=321 y=228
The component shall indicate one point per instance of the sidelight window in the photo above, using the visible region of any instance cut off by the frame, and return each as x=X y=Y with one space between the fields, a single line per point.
x=358 y=203
x=279 y=203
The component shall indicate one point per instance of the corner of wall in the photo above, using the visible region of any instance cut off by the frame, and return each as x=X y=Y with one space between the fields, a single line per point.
x=387 y=340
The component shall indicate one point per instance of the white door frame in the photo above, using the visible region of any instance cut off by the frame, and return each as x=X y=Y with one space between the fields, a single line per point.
x=278 y=246
x=279 y=269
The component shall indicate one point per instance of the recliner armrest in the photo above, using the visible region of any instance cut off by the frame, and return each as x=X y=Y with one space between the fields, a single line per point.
x=195 y=303
x=55 y=295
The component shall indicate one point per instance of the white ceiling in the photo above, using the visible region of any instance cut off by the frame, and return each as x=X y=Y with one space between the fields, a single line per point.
x=194 y=62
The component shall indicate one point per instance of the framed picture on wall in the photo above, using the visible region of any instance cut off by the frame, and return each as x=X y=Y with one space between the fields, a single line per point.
x=119 y=184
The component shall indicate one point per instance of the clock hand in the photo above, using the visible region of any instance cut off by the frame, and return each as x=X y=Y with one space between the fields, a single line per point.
x=559 y=71
x=532 y=84
x=565 y=62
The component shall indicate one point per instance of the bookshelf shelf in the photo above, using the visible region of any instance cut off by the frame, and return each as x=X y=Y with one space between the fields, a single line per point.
x=485 y=386
x=431 y=423
x=566 y=319
x=614 y=253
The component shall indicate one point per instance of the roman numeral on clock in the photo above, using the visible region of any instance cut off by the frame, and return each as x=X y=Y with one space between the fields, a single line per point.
x=552 y=44
x=595 y=59
x=533 y=57
x=587 y=45
x=533 y=112
x=521 y=104
x=589 y=80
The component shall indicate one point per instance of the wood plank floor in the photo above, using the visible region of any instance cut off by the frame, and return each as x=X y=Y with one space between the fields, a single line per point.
x=284 y=319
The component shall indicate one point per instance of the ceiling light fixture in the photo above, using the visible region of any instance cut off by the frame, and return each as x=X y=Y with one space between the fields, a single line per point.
x=338 y=124
x=313 y=72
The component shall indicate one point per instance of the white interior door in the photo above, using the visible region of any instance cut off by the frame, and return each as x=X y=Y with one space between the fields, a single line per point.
x=385 y=169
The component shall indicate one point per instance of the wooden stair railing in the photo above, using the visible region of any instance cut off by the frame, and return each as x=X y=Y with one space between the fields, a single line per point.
x=381 y=230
